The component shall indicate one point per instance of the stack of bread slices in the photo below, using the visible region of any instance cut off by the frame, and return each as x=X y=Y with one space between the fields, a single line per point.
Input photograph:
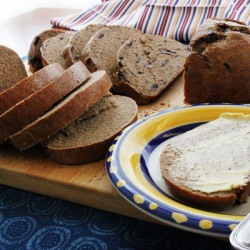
x=69 y=112
x=140 y=66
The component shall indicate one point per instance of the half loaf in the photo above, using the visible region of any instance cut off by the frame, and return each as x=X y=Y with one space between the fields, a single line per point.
x=28 y=86
x=147 y=65
x=29 y=109
x=65 y=112
x=12 y=69
x=208 y=166
x=88 y=138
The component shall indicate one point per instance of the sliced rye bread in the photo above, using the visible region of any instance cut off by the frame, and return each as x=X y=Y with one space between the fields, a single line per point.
x=88 y=138
x=12 y=69
x=35 y=105
x=34 y=53
x=73 y=51
x=52 y=49
x=208 y=167
x=65 y=112
x=28 y=86
x=101 y=50
x=147 y=65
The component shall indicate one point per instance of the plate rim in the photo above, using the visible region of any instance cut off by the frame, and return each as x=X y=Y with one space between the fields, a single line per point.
x=127 y=191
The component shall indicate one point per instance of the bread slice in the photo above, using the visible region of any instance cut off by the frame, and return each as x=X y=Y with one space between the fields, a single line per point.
x=208 y=167
x=12 y=69
x=73 y=51
x=88 y=138
x=34 y=53
x=52 y=49
x=28 y=86
x=65 y=112
x=29 y=109
x=147 y=65
x=101 y=50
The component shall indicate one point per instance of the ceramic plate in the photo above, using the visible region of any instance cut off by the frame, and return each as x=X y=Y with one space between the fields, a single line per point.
x=132 y=165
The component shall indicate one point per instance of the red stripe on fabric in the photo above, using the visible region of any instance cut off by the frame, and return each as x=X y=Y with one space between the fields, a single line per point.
x=143 y=17
x=164 y=21
x=237 y=6
x=87 y=16
x=210 y=9
x=118 y=11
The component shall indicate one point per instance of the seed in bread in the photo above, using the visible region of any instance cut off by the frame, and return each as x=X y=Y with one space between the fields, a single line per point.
x=12 y=69
x=101 y=50
x=88 y=138
x=73 y=51
x=208 y=167
x=35 y=105
x=65 y=112
x=147 y=65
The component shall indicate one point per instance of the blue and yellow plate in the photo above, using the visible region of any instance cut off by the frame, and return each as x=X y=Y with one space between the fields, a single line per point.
x=132 y=165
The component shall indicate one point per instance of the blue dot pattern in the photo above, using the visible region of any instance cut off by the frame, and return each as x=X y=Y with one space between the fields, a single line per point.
x=30 y=221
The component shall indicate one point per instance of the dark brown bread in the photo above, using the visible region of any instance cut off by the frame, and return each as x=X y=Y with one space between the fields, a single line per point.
x=88 y=138
x=52 y=49
x=34 y=53
x=28 y=86
x=218 y=68
x=147 y=65
x=214 y=29
x=65 y=112
x=73 y=51
x=101 y=50
x=12 y=69
x=35 y=105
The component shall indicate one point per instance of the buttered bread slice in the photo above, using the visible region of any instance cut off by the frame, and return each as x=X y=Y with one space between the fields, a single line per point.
x=209 y=166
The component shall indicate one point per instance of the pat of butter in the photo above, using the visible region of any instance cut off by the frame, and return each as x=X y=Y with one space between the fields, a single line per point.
x=214 y=156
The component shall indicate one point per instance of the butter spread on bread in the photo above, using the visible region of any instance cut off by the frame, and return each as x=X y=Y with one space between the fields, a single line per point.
x=212 y=159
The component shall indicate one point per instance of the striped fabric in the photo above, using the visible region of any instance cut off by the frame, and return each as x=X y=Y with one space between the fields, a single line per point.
x=176 y=19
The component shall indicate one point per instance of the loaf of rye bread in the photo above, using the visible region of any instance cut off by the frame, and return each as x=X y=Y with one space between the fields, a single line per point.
x=73 y=51
x=28 y=86
x=88 y=138
x=101 y=50
x=208 y=167
x=218 y=69
x=34 y=53
x=12 y=69
x=65 y=112
x=35 y=105
x=53 y=47
x=147 y=65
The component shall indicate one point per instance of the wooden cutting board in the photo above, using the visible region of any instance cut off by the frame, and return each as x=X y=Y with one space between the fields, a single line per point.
x=84 y=184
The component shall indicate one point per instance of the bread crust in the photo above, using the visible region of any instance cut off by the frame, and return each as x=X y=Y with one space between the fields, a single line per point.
x=72 y=52
x=34 y=54
x=216 y=75
x=96 y=149
x=28 y=86
x=12 y=68
x=29 y=109
x=52 y=49
x=63 y=113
